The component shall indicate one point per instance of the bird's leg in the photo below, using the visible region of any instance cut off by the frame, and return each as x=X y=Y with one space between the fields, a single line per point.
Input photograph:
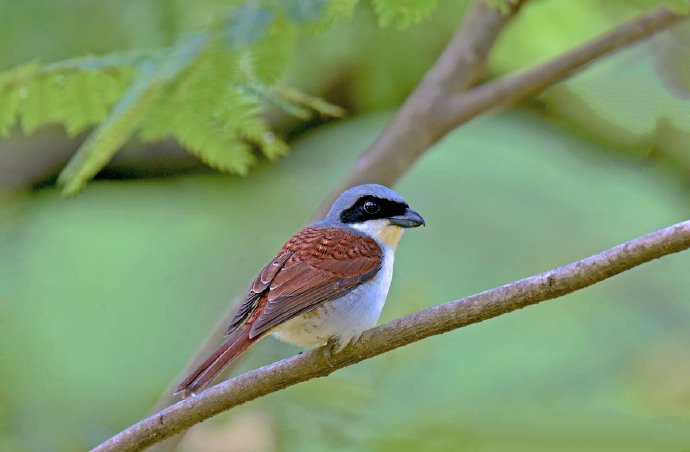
x=331 y=348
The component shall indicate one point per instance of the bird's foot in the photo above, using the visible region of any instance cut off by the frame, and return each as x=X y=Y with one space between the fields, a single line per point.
x=331 y=348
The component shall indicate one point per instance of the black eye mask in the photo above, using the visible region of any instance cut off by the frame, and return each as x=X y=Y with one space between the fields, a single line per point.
x=386 y=209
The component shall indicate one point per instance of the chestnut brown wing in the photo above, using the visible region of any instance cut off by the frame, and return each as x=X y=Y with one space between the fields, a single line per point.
x=259 y=286
x=316 y=265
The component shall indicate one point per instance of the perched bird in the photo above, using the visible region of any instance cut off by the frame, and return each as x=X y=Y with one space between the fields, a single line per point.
x=328 y=283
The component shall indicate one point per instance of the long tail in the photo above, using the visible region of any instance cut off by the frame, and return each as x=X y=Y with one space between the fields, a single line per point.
x=233 y=346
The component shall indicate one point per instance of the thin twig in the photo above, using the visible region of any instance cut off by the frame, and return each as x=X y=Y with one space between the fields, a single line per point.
x=420 y=124
x=435 y=320
x=458 y=68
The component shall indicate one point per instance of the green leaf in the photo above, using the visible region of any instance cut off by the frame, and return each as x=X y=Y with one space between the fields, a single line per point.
x=111 y=134
x=270 y=56
x=302 y=11
x=11 y=94
x=341 y=9
x=77 y=99
x=159 y=121
x=36 y=101
x=8 y=109
x=79 y=111
x=403 y=13
x=317 y=104
x=213 y=115
x=245 y=25
x=292 y=100
x=258 y=133
x=77 y=93
x=269 y=95
x=206 y=92
x=115 y=61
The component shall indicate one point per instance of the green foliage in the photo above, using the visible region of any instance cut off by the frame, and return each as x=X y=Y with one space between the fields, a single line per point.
x=206 y=91
x=124 y=118
x=403 y=13
x=77 y=93
x=195 y=92
x=250 y=45
x=272 y=53
x=214 y=119
x=110 y=135
x=338 y=9
x=302 y=10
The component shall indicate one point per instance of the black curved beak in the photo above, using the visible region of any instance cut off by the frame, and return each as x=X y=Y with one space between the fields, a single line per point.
x=410 y=219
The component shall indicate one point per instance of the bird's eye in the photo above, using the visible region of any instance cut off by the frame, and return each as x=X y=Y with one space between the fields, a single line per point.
x=371 y=207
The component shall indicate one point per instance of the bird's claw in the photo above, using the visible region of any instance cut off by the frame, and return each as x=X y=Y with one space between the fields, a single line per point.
x=330 y=349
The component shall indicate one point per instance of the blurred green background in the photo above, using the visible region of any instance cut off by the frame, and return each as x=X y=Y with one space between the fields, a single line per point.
x=104 y=296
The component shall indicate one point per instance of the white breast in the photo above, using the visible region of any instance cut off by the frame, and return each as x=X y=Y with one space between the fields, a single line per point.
x=345 y=318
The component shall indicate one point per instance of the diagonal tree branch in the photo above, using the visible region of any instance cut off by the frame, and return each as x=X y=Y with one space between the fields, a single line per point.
x=459 y=66
x=414 y=327
x=413 y=129
x=428 y=115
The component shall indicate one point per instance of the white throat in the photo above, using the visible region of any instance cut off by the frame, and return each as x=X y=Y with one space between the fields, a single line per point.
x=382 y=231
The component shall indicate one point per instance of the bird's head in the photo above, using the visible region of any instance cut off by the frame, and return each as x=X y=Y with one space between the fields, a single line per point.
x=376 y=211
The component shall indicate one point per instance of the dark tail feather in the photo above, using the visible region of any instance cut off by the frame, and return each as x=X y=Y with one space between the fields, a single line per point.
x=233 y=346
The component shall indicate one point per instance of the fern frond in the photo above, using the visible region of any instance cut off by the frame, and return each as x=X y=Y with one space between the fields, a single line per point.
x=80 y=110
x=271 y=55
x=209 y=114
x=258 y=133
x=303 y=11
x=295 y=96
x=292 y=101
x=76 y=99
x=270 y=96
x=125 y=117
x=206 y=92
x=66 y=93
x=12 y=93
x=245 y=25
x=113 y=61
x=403 y=13
x=110 y=135
x=318 y=16
x=341 y=9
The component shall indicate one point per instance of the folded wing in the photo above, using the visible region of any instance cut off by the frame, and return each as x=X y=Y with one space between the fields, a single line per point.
x=316 y=265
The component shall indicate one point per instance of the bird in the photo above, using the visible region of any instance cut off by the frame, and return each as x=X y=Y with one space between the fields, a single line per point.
x=327 y=284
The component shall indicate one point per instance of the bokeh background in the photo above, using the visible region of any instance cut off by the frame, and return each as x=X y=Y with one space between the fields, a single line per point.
x=104 y=296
